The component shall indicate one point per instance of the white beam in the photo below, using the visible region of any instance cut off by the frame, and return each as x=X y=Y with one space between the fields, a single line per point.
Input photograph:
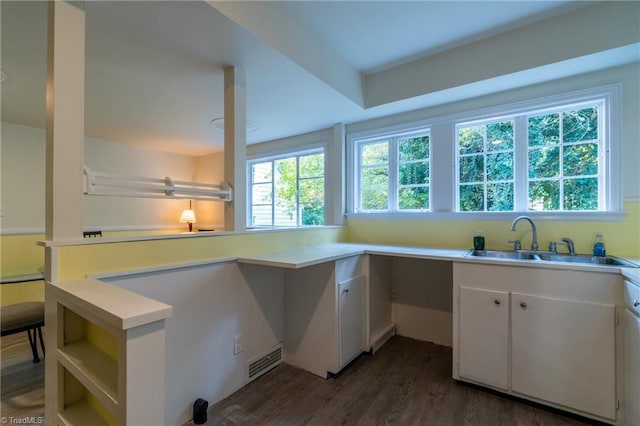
x=283 y=31
x=602 y=27
x=235 y=148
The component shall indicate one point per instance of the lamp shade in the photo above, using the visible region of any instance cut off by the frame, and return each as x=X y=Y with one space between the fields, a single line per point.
x=188 y=216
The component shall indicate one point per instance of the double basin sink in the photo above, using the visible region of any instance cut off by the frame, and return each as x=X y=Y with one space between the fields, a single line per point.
x=549 y=256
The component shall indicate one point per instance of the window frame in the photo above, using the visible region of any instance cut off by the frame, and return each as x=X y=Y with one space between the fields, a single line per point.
x=310 y=150
x=392 y=138
x=443 y=173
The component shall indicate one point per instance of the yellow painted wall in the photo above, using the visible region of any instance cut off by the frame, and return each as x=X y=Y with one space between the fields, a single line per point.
x=622 y=237
x=81 y=260
x=19 y=255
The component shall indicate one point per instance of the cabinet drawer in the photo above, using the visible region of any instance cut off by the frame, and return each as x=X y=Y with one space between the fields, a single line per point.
x=632 y=296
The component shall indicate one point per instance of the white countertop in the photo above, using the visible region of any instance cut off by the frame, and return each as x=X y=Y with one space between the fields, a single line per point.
x=121 y=308
x=631 y=273
x=307 y=256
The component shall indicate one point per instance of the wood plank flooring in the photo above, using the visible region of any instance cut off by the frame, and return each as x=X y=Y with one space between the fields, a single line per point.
x=407 y=382
x=21 y=382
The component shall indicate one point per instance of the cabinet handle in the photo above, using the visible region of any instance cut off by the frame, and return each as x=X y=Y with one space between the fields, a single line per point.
x=636 y=303
x=496 y=302
x=523 y=305
x=346 y=290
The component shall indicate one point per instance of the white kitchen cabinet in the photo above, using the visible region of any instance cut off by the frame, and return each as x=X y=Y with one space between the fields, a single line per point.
x=547 y=335
x=632 y=354
x=564 y=351
x=326 y=314
x=351 y=318
x=484 y=336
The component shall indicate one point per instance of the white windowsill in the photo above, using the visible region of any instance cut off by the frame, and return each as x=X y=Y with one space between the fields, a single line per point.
x=501 y=216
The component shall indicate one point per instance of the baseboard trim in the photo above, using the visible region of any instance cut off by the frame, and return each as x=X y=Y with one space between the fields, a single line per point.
x=381 y=337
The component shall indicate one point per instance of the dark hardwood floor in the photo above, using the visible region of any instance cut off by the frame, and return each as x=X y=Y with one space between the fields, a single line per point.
x=22 y=382
x=407 y=382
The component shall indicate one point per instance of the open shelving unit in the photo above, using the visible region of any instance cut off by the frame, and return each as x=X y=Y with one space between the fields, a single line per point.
x=101 y=363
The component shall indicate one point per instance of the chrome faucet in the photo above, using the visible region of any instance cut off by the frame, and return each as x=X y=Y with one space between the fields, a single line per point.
x=570 y=245
x=534 y=242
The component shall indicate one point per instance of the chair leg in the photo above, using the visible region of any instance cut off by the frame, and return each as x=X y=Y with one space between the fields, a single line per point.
x=33 y=342
x=41 y=341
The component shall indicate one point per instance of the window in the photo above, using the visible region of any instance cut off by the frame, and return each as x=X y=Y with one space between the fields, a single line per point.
x=552 y=157
x=563 y=160
x=559 y=150
x=287 y=191
x=485 y=167
x=393 y=173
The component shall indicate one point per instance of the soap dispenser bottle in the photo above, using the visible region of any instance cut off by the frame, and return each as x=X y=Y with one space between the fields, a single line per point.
x=598 y=246
x=478 y=241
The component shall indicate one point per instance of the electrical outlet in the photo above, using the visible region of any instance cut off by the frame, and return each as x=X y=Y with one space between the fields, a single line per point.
x=237 y=344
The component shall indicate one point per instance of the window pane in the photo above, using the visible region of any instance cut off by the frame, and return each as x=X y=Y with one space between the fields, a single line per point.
x=311 y=191
x=375 y=153
x=261 y=172
x=472 y=169
x=413 y=173
x=580 y=160
x=581 y=194
x=544 y=130
x=500 y=197
x=261 y=216
x=544 y=195
x=500 y=166
x=413 y=198
x=500 y=136
x=285 y=188
x=311 y=166
x=261 y=193
x=581 y=125
x=544 y=162
x=471 y=198
x=471 y=140
x=312 y=214
x=375 y=177
x=375 y=199
x=413 y=149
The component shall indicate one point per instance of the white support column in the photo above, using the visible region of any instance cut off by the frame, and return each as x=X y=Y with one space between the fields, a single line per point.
x=65 y=121
x=235 y=148
x=64 y=159
x=335 y=177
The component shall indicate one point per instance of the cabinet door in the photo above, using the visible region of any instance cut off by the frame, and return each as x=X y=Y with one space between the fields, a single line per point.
x=631 y=368
x=563 y=351
x=484 y=334
x=351 y=319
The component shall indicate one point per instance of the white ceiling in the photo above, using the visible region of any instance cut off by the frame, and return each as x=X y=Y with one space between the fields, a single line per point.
x=154 y=69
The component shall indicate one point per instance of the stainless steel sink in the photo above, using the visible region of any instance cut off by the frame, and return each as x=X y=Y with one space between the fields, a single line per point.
x=499 y=254
x=542 y=256
x=586 y=258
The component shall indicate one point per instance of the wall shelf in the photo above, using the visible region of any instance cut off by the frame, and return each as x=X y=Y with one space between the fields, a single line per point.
x=106 y=184
x=80 y=413
x=94 y=369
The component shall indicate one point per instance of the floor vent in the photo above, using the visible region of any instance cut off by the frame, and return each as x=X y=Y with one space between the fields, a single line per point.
x=263 y=363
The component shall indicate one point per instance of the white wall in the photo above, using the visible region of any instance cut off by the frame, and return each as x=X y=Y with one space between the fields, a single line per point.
x=212 y=304
x=422 y=299
x=210 y=168
x=23 y=183
x=22 y=177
